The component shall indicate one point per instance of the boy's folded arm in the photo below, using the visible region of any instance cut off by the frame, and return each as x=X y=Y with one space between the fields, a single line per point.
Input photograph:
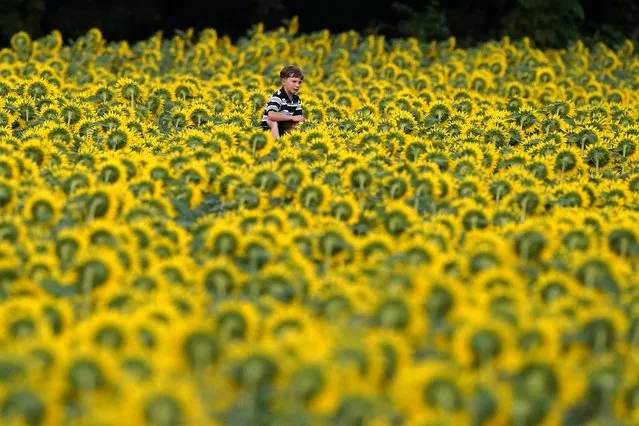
x=278 y=116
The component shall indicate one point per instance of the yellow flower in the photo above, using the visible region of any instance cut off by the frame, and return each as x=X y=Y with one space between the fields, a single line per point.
x=312 y=196
x=166 y=402
x=43 y=207
x=399 y=217
x=430 y=391
x=345 y=208
x=8 y=196
x=484 y=342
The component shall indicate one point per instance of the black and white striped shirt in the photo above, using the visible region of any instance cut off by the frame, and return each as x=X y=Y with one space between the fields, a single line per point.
x=280 y=102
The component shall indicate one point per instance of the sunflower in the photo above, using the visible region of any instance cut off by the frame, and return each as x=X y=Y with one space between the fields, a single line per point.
x=600 y=271
x=598 y=156
x=525 y=200
x=345 y=208
x=129 y=91
x=613 y=193
x=103 y=201
x=285 y=283
x=108 y=331
x=486 y=342
x=359 y=178
x=602 y=328
x=139 y=368
x=95 y=271
x=9 y=167
x=223 y=239
x=25 y=403
x=312 y=196
x=540 y=338
x=255 y=368
x=427 y=188
x=571 y=195
x=315 y=386
x=435 y=394
x=37 y=154
x=120 y=138
x=160 y=402
x=9 y=196
x=374 y=247
x=290 y=325
x=22 y=322
x=142 y=188
x=112 y=171
x=43 y=207
x=177 y=271
x=194 y=175
x=396 y=186
x=237 y=321
x=221 y=277
x=622 y=239
x=332 y=243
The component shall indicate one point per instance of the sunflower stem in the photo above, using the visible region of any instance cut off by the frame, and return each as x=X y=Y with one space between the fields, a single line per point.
x=524 y=207
x=308 y=199
x=65 y=254
x=92 y=209
x=418 y=193
x=327 y=255
x=525 y=251
x=623 y=250
x=87 y=286
x=72 y=187
x=589 y=278
x=634 y=338
x=205 y=394
x=221 y=290
x=393 y=189
x=600 y=341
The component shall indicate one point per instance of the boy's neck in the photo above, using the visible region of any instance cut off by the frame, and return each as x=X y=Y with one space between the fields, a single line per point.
x=286 y=91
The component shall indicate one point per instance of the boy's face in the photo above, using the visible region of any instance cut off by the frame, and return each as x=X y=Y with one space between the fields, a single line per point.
x=292 y=84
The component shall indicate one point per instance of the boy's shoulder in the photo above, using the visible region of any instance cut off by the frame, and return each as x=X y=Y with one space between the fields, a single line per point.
x=279 y=93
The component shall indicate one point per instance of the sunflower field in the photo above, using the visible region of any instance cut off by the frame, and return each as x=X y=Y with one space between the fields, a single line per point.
x=450 y=238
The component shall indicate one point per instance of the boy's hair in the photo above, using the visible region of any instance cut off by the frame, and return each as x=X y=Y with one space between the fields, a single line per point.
x=291 y=71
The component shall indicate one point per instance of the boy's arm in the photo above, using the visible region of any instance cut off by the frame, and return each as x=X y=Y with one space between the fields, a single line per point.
x=273 y=107
x=298 y=114
x=278 y=116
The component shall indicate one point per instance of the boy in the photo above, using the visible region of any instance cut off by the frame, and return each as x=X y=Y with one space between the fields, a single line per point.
x=283 y=111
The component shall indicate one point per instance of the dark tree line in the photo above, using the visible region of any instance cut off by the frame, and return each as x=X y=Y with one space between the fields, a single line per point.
x=550 y=23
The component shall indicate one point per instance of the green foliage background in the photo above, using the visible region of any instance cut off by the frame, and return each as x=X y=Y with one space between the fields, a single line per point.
x=550 y=23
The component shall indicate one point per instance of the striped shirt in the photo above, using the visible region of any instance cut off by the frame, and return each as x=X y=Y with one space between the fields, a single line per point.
x=280 y=102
